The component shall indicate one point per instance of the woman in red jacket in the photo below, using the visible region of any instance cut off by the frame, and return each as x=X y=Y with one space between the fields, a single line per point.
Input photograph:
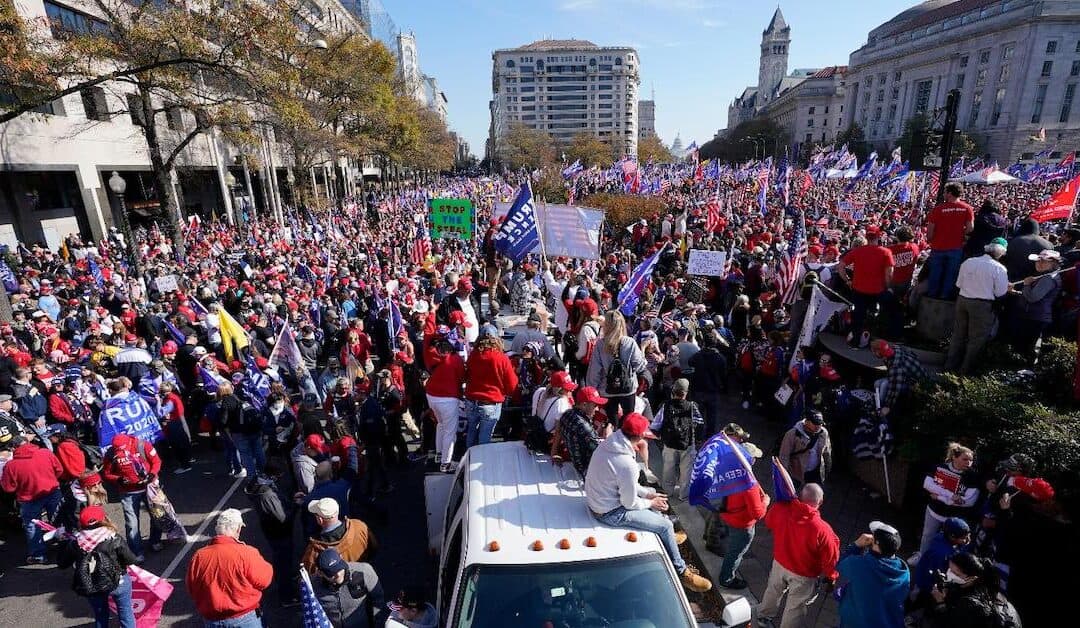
x=443 y=391
x=491 y=379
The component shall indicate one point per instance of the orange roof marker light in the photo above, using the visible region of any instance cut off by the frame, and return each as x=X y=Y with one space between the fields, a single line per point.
x=564 y=544
x=493 y=546
x=537 y=546
x=631 y=536
x=590 y=541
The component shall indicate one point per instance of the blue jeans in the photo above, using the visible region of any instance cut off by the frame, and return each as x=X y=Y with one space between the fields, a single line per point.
x=124 y=610
x=232 y=453
x=649 y=521
x=28 y=511
x=252 y=454
x=247 y=620
x=481 y=421
x=738 y=541
x=944 y=268
x=131 y=503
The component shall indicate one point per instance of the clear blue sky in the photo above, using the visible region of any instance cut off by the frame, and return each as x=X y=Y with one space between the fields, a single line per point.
x=696 y=54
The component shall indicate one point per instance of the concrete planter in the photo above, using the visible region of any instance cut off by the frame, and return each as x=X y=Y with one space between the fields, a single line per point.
x=871 y=473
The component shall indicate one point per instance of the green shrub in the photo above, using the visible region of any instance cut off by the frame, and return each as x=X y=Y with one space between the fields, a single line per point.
x=1054 y=372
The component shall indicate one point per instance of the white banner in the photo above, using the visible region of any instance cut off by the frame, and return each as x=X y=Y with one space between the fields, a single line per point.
x=708 y=263
x=819 y=312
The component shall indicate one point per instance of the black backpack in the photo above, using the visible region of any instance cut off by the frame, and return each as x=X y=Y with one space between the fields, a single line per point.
x=677 y=432
x=92 y=456
x=620 y=379
x=537 y=438
x=570 y=345
x=96 y=571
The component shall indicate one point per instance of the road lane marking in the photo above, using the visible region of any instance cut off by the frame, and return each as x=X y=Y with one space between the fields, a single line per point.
x=193 y=538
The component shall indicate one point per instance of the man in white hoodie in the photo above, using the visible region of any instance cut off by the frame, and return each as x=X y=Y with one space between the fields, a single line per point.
x=616 y=499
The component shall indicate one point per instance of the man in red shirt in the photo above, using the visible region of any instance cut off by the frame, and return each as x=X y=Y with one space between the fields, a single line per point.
x=226 y=579
x=805 y=548
x=33 y=474
x=905 y=253
x=946 y=227
x=870 y=277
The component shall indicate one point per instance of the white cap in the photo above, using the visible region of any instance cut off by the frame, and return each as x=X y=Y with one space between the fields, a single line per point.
x=229 y=519
x=326 y=507
x=421 y=307
x=882 y=526
x=1045 y=255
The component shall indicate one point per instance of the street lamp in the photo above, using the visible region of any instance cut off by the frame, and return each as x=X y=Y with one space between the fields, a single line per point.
x=230 y=182
x=290 y=178
x=118 y=186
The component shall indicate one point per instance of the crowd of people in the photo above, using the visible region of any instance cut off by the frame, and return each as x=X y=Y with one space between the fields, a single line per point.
x=308 y=355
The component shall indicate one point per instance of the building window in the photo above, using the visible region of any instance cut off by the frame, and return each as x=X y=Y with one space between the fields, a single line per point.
x=94 y=104
x=984 y=56
x=174 y=118
x=1007 y=52
x=1048 y=67
x=922 y=96
x=963 y=61
x=135 y=110
x=809 y=138
x=995 y=113
x=1051 y=47
x=892 y=112
x=1066 y=102
x=976 y=104
x=811 y=111
x=1075 y=69
x=877 y=113
x=509 y=63
x=960 y=80
x=895 y=92
x=880 y=95
x=1040 y=99
x=980 y=78
x=896 y=77
x=1003 y=76
x=810 y=123
x=64 y=21
x=826 y=109
x=1078 y=47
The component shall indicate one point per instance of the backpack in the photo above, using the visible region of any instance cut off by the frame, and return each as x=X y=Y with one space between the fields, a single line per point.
x=96 y=572
x=677 y=431
x=620 y=379
x=92 y=456
x=537 y=438
x=570 y=344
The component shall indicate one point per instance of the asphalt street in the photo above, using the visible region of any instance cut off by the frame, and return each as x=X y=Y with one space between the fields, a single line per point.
x=42 y=595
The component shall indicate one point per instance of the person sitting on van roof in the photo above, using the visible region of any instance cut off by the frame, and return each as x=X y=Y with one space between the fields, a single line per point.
x=616 y=499
x=575 y=435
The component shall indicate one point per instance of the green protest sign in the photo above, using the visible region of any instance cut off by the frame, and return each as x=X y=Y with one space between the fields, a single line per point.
x=452 y=218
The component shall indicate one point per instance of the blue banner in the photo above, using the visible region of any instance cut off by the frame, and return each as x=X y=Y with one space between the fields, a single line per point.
x=721 y=469
x=128 y=414
x=519 y=235
x=11 y=284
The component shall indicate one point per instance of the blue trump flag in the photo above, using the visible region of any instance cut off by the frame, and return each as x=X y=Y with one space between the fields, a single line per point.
x=11 y=284
x=256 y=385
x=783 y=487
x=95 y=272
x=722 y=468
x=519 y=235
x=628 y=296
x=128 y=414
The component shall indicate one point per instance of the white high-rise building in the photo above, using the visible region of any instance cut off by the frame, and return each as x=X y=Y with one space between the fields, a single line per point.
x=565 y=87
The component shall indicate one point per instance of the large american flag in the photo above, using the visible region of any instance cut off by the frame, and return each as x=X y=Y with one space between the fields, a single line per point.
x=787 y=274
x=314 y=615
x=421 y=245
x=712 y=213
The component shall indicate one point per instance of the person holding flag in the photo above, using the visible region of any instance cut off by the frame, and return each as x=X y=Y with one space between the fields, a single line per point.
x=741 y=513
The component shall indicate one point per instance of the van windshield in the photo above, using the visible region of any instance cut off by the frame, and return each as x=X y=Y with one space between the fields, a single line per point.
x=636 y=589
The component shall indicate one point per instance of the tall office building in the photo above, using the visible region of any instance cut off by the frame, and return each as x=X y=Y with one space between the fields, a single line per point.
x=565 y=87
x=646 y=118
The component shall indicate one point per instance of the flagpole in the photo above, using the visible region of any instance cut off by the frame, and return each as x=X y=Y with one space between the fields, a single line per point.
x=831 y=291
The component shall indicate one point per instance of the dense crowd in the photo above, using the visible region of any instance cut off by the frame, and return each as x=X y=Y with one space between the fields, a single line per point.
x=311 y=353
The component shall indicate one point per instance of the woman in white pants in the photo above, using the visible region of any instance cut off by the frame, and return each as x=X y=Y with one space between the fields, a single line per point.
x=444 y=394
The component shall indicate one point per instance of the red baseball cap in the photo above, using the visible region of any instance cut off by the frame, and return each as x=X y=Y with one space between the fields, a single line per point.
x=561 y=379
x=635 y=424
x=588 y=394
x=315 y=442
x=91 y=515
x=464 y=284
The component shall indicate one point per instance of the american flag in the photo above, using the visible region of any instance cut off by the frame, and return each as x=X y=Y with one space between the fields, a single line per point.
x=787 y=274
x=932 y=183
x=712 y=214
x=314 y=615
x=421 y=246
x=667 y=321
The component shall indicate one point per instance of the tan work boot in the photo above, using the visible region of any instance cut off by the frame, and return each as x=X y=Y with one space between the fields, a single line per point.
x=694 y=582
x=680 y=537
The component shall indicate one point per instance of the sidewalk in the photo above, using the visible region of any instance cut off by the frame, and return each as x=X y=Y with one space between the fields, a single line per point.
x=849 y=507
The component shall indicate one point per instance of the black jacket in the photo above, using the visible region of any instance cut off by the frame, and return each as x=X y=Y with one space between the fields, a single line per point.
x=450 y=304
x=70 y=554
x=964 y=608
x=274 y=508
x=710 y=372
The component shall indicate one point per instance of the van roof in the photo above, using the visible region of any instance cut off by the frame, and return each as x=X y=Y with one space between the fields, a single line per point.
x=516 y=497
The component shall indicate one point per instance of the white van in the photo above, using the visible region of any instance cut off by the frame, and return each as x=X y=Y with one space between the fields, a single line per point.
x=517 y=546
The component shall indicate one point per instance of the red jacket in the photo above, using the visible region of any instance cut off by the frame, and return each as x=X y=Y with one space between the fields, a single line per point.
x=73 y=463
x=744 y=508
x=226 y=578
x=127 y=458
x=491 y=376
x=33 y=472
x=60 y=410
x=447 y=374
x=802 y=541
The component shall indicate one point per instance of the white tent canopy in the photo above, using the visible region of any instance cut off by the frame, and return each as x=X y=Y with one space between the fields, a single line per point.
x=986 y=176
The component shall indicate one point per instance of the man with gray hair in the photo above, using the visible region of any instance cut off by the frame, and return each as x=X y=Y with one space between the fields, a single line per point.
x=805 y=548
x=982 y=281
x=226 y=579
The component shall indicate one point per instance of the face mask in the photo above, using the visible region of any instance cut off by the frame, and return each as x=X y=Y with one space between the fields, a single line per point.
x=277 y=408
x=951 y=576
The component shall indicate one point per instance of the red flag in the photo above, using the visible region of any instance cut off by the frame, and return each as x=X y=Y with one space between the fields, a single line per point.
x=698 y=173
x=712 y=217
x=1059 y=205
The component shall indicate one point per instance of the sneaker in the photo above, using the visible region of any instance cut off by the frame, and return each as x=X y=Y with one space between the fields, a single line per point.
x=181 y=470
x=692 y=581
x=680 y=537
x=446 y=468
x=35 y=560
x=734 y=583
x=157 y=547
x=242 y=473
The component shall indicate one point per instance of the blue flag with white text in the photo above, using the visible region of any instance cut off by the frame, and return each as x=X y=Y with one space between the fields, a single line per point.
x=628 y=296
x=721 y=468
x=128 y=414
x=519 y=233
